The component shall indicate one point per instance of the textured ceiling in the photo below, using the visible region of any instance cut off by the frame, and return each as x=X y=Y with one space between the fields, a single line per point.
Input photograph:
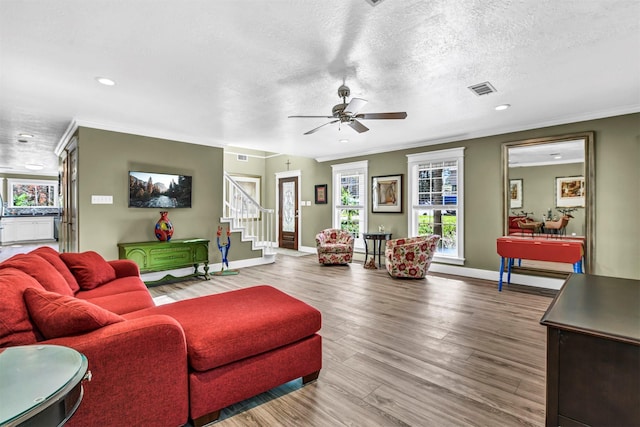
x=228 y=73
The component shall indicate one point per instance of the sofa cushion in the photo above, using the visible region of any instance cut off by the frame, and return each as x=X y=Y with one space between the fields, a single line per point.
x=41 y=270
x=58 y=315
x=53 y=257
x=16 y=327
x=233 y=325
x=120 y=295
x=89 y=268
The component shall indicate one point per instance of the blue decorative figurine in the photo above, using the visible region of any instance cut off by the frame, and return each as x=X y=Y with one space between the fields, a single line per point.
x=224 y=250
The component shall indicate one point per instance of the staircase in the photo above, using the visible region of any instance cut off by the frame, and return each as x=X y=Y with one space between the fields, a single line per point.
x=245 y=215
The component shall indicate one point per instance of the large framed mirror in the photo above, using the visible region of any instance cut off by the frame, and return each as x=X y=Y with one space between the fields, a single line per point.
x=548 y=193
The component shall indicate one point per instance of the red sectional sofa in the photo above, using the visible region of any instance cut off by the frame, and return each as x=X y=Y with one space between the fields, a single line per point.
x=156 y=365
x=515 y=228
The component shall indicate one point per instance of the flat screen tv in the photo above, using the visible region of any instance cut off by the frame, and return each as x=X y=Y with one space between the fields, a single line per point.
x=159 y=190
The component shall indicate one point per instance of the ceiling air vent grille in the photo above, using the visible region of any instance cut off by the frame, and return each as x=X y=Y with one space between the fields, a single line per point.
x=242 y=158
x=483 y=89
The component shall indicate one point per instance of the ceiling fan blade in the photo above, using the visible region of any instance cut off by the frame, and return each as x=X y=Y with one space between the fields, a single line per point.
x=357 y=126
x=310 y=117
x=377 y=116
x=355 y=105
x=314 y=130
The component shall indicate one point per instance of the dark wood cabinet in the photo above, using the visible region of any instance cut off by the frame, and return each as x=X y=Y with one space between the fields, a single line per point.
x=593 y=353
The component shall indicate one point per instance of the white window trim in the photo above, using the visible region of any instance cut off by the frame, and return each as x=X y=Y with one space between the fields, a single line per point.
x=336 y=193
x=413 y=160
x=12 y=181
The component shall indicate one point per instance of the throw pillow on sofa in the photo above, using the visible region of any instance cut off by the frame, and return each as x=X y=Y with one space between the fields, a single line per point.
x=53 y=257
x=16 y=328
x=89 y=268
x=41 y=270
x=58 y=315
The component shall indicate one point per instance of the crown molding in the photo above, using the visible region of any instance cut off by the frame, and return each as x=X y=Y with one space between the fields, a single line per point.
x=603 y=114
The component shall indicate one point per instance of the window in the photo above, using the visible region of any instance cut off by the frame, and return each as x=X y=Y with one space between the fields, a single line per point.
x=436 y=200
x=32 y=194
x=350 y=199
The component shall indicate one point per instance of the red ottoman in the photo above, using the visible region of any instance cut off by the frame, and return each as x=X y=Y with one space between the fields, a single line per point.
x=242 y=343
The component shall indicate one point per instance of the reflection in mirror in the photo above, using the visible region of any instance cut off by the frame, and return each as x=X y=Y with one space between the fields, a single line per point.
x=547 y=184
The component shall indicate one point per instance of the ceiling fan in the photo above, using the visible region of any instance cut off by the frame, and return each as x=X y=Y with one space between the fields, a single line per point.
x=348 y=113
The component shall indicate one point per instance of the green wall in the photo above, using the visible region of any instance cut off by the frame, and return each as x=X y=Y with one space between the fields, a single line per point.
x=104 y=160
x=314 y=217
x=617 y=192
x=254 y=166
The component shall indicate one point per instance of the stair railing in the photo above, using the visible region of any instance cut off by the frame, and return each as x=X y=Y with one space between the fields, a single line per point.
x=246 y=215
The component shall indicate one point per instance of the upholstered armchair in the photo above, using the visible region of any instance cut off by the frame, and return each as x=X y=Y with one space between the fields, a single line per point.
x=410 y=257
x=334 y=246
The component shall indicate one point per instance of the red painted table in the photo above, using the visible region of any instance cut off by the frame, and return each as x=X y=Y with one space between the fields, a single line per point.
x=539 y=249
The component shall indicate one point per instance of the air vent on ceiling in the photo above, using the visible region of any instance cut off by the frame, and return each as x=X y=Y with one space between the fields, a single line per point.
x=242 y=158
x=374 y=2
x=482 y=89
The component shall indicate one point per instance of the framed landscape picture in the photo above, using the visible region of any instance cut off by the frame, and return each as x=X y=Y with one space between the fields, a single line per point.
x=387 y=193
x=515 y=193
x=570 y=191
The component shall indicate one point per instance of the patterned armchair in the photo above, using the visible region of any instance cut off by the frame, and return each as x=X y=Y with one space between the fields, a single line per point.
x=410 y=257
x=334 y=246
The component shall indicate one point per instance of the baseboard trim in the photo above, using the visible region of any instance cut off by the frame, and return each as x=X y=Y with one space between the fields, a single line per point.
x=187 y=272
x=476 y=273
x=518 y=279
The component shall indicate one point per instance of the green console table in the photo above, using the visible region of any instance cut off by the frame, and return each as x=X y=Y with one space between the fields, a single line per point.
x=161 y=256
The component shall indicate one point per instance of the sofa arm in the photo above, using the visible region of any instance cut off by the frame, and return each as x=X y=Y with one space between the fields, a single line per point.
x=139 y=373
x=125 y=268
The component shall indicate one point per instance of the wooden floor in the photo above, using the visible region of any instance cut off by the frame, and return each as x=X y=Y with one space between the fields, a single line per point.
x=445 y=351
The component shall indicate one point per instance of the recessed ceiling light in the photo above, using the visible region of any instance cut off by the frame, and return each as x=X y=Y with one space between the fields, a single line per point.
x=502 y=107
x=343 y=141
x=34 y=166
x=105 y=81
x=25 y=135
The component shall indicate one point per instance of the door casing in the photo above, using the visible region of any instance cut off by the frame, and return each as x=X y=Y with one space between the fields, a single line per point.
x=279 y=176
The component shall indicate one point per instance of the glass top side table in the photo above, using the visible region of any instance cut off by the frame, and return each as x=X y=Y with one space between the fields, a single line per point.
x=40 y=382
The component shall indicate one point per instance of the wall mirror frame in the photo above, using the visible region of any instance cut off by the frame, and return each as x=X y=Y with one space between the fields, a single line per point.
x=588 y=171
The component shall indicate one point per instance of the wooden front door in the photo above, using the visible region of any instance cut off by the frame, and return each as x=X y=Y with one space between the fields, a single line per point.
x=288 y=213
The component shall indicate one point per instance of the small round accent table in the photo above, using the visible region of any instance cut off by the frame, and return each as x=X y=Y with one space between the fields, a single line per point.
x=377 y=238
x=40 y=385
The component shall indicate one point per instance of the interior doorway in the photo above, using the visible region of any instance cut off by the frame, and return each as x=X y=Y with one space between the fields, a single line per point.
x=288 y=210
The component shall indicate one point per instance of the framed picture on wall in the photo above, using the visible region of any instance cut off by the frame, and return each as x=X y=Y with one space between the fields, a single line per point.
x=570 y=191
x=387 y=194
x=515 y=193
x=321 y=194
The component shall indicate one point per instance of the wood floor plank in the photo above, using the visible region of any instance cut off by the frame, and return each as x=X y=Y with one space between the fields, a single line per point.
x=442 y=351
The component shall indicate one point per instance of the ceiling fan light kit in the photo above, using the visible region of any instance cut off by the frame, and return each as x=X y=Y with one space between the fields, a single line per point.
x=348 y=113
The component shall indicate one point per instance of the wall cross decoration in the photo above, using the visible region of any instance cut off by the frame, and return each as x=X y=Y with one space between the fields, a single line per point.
x=288 y=164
